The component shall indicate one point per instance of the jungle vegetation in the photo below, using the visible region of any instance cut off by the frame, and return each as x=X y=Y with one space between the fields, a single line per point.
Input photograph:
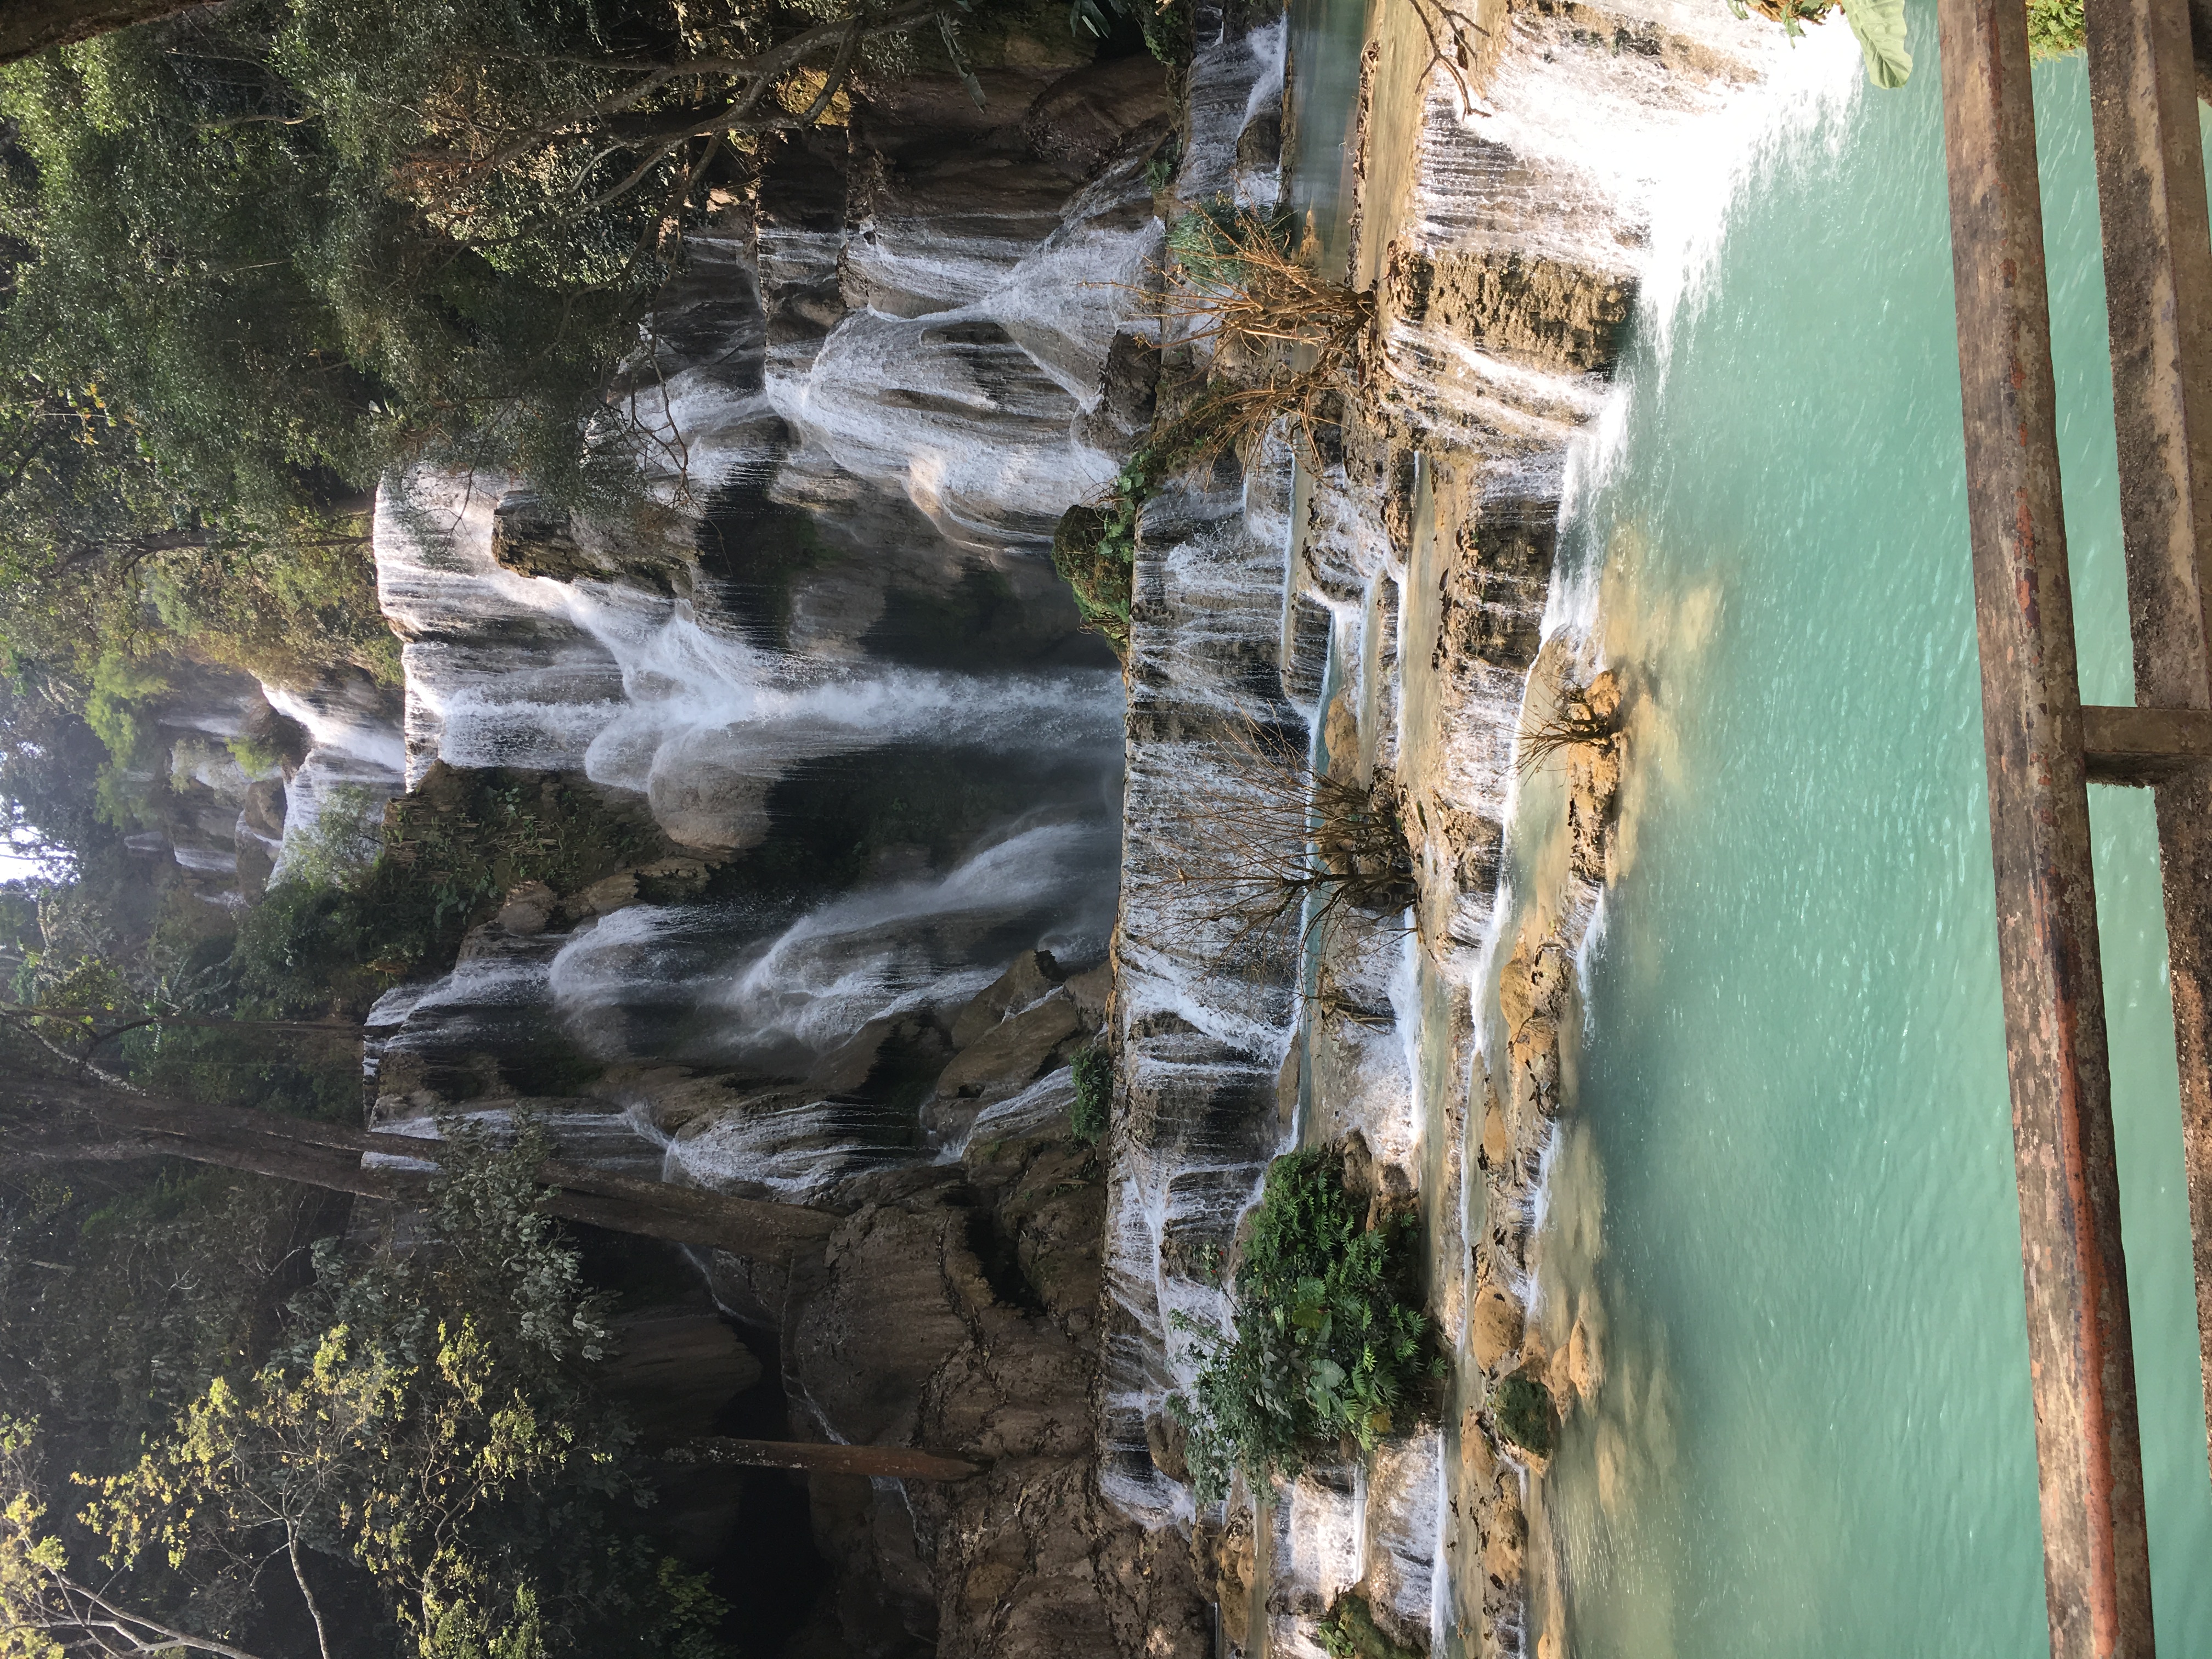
x=397 y=1447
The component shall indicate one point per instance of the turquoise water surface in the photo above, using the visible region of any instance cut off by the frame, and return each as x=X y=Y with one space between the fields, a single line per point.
x=1814 y=1437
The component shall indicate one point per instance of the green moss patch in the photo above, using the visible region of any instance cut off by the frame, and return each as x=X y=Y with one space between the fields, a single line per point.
x=1094 y=549
x=1094 y=1094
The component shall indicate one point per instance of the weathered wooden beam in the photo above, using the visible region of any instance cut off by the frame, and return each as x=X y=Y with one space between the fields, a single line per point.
x=2144 y=745
x=2088 y=1456
x=2157 y=296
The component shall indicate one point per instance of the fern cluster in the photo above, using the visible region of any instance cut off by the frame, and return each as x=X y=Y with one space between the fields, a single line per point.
x=1329 y=1337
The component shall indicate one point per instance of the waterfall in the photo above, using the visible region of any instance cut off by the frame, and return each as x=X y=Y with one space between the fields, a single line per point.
x=878 y=398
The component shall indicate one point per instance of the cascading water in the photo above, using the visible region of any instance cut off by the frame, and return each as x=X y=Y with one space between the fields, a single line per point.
x=882 y=403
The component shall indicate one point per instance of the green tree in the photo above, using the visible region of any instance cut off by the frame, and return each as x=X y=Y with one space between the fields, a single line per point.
x=428 y=1433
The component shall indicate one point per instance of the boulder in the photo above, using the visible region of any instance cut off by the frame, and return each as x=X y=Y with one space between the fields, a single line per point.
x=1585 y=1361
x=528 y=908
x=1084 y=119
x=1169 y=1442
x=532 y=538
x=882 y=1323
x=263 y=812
x=1341 y=737
x=1007 y=1058
x=1495 y=1329
x=1259 y=146
x=881 y=1057
x=1129 y=389
x=1091 y=990
x=673 y=1370
x=1031 y=974
x=605 y=896
x=701 y=799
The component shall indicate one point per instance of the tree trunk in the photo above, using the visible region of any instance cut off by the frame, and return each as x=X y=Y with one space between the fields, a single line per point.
x=29 y=25
x=880 y=1462
x=84 y=1119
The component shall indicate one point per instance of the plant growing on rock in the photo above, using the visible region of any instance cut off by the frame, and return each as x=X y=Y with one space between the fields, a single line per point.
x=1287 y=338
x=1328 y=1340
x=1521 y=1406
x=1094 y=1094
x=1094 y=547
x=1582 y=717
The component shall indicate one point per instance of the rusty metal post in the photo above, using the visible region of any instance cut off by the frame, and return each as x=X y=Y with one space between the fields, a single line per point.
x=2158 y=294
x=2089 y=1465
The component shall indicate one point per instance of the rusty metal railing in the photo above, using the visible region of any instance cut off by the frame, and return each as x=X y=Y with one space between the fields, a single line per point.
x=2044 y=748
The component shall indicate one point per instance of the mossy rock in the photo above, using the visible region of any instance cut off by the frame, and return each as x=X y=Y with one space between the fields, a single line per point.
x=1091 y=550
x=1521 y=1408
x=1348 y=1631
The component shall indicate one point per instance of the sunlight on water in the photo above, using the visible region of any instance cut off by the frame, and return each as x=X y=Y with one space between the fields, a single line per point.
x=1814 y=1435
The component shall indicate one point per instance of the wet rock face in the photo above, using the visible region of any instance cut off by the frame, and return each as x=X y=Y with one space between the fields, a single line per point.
x=530 y=537
x=1082 y=120
x=1541 y=312
x=1128 y=393
x=960 y=1314
x=888 y=1316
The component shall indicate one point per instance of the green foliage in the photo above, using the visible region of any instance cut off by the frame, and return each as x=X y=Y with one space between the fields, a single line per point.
x=1094 y=1094
x=449 y=851
x=119 y=1299
x=455 y=845
x=222 y=240
x=1330 y=1339
x=1348 y=1631
x=30 y=1556
x=1521 y=1408
x=1879 y=27
x=115 y=708
x=256 y=757
x=428 y=1428
x=1094 y=551
x=2055 y=27
x=1160 y=171
x=1170 y=31
x=1094 y=548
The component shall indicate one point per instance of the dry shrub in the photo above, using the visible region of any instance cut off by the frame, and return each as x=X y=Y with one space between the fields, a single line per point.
x=1290 y=336
x=1578 y=719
